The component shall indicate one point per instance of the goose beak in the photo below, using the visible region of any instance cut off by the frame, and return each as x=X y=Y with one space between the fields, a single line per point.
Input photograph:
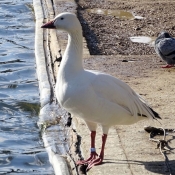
x=49 y=25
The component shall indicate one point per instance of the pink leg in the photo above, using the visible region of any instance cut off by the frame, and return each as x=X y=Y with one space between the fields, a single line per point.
x=99 y=160
x=168 y=66
x=93 y=152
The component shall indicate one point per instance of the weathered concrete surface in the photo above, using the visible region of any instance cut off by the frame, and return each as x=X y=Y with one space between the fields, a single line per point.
x=50 y=119
x=128 y=150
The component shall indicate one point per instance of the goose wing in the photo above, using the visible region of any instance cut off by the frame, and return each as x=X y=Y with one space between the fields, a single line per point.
x=116 y=91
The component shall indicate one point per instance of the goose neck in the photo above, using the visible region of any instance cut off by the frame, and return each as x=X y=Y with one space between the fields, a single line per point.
x=72 y=58
x=75 y=43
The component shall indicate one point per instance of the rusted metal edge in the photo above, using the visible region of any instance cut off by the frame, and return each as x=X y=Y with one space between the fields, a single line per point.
x=59 y=163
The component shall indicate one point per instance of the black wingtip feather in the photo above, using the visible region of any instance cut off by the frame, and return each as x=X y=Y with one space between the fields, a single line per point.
x=156 y=115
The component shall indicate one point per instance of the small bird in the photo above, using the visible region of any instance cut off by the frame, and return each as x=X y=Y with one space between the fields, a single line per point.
x=165 y=48
x=96 y=97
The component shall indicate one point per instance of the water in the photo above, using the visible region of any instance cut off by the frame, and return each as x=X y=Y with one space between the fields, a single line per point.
x=21 y=148
x=117 y=13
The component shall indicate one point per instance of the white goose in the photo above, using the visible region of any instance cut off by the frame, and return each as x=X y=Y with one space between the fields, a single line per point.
x=96 y=97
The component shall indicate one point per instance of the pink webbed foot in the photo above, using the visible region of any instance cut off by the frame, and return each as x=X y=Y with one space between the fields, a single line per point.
x=95 y=162
x=168 y=66
x=89 y=160
x=92 y=160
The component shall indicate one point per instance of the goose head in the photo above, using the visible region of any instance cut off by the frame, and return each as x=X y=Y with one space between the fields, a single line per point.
x=65 y=21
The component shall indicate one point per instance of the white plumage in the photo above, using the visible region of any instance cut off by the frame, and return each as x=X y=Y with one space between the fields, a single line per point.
x=94 y=96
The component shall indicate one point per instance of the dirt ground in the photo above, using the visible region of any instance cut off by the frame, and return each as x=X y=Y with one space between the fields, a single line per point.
x=138 y=65
x=109 y=35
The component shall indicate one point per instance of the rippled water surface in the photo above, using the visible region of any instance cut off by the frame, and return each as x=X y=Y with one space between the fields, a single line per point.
x=21 y=149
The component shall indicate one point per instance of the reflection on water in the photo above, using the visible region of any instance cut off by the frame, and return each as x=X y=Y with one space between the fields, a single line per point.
x=117 y=13
x=21 y=150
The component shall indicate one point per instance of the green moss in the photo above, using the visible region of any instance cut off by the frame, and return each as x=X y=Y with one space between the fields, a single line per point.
x=34 y=108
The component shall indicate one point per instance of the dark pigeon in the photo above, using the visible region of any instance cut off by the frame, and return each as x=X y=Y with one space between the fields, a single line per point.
x=165 y=48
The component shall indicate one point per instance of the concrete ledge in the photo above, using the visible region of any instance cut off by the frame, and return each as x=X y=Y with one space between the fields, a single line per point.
x=48 y=111
x=44 y=85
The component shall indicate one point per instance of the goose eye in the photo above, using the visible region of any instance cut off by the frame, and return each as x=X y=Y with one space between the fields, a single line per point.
x=62 y=18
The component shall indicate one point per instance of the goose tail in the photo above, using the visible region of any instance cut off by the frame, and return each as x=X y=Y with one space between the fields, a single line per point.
x=156 y=115
x=147 y=111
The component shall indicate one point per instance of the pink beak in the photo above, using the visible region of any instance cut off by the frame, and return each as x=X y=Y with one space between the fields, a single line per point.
x=49 y=25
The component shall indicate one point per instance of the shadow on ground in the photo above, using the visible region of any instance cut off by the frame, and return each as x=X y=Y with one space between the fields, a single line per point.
x=91 y=38
x=153 y=166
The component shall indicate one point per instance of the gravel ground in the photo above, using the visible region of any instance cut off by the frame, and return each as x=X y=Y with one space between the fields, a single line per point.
x=109 y=34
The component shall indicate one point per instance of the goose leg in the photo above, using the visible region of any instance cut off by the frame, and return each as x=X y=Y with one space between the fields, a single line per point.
x=93 y=151
x=99 y=160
